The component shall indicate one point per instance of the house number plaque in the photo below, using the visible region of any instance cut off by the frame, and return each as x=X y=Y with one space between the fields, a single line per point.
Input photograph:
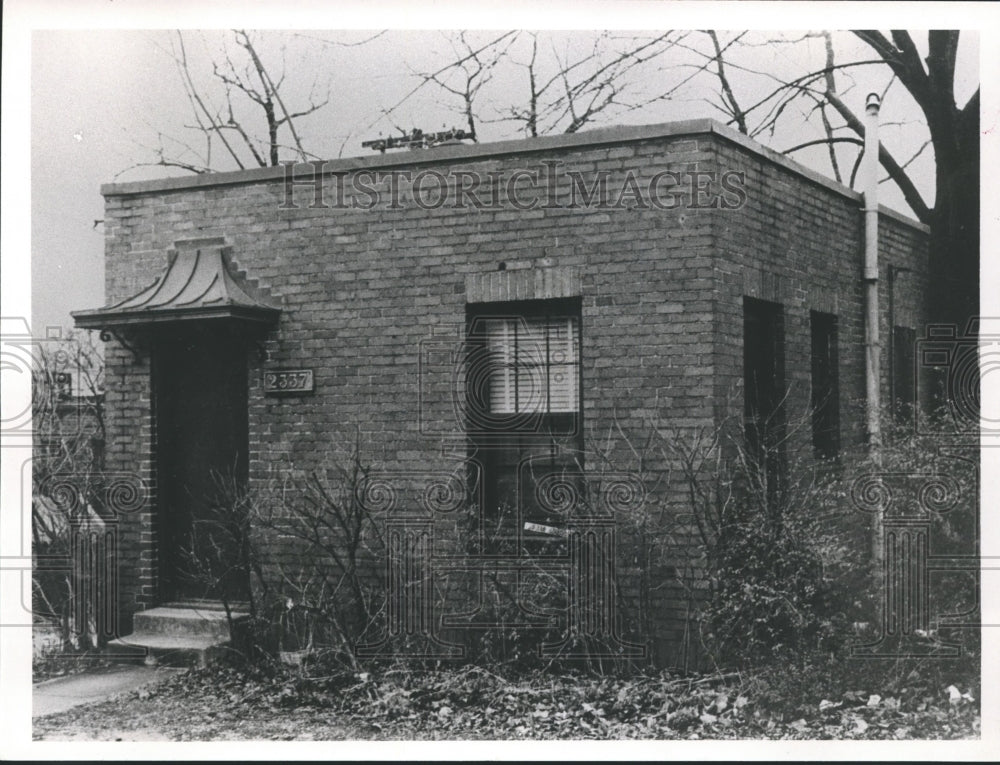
x=282 y=381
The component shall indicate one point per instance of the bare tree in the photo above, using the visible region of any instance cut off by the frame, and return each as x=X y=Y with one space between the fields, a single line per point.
x=954 y=135
x=221 y=127
x=570 y=83
x=67 y=472
x=728 y=98
x=473 y=69
x=567 y=90
x=67 y=409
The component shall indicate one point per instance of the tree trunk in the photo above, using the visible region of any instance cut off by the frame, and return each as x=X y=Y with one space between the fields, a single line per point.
x=954 y=245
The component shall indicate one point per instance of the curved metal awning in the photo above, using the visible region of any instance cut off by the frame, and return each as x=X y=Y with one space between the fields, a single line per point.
x=197 y=284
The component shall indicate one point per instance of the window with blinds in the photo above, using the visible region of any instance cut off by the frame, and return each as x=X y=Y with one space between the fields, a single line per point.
x=534 y=364
x=523 y=405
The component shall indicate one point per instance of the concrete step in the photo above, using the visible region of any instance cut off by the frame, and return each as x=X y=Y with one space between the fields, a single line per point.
x=177 y=635
x=186 y=622
x=154 y=649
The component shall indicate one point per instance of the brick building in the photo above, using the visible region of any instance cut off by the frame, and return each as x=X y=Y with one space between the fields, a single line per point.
x=485 y=315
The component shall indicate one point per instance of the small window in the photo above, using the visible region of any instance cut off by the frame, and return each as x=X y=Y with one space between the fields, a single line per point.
x=764 y=389
x=825 y=397
x=904 y=341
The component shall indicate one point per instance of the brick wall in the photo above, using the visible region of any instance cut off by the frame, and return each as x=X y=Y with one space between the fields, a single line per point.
x=130 y=450
x=799 y=244
x=364 y=290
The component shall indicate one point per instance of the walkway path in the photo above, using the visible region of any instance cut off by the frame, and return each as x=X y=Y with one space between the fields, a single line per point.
x=62 y=693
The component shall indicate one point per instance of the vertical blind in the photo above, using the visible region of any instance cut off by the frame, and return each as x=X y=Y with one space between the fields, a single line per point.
x=535 y=364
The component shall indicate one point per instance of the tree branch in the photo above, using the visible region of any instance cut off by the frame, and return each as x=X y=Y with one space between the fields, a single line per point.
x=734 y=108
x=898 y=175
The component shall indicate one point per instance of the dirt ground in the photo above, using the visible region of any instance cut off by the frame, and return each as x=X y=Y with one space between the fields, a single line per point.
x=225 y=705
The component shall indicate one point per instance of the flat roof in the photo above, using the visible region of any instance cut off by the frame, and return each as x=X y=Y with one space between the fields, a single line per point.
x=464 y=152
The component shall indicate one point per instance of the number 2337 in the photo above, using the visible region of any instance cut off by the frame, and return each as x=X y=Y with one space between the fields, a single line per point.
x=288 y=381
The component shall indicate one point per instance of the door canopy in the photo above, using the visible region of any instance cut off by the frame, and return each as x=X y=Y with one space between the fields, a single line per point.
x=197 y=284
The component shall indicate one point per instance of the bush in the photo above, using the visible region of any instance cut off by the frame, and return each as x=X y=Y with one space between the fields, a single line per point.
x=781 y=572
x=324 y=598
x=771 y=596
x=774 y=573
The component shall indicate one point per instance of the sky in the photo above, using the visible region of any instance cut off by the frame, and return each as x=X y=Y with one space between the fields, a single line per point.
x=100 y=99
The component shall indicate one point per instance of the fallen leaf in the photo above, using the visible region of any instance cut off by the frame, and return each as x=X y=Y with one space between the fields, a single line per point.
x=874 y=700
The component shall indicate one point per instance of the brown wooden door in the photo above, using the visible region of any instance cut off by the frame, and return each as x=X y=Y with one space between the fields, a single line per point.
x=200 y=389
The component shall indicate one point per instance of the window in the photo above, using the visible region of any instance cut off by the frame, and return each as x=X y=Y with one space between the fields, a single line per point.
x=904 y=341
x=764 y=388
x=524 y=414
x=535 y=364
x=825 y=397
